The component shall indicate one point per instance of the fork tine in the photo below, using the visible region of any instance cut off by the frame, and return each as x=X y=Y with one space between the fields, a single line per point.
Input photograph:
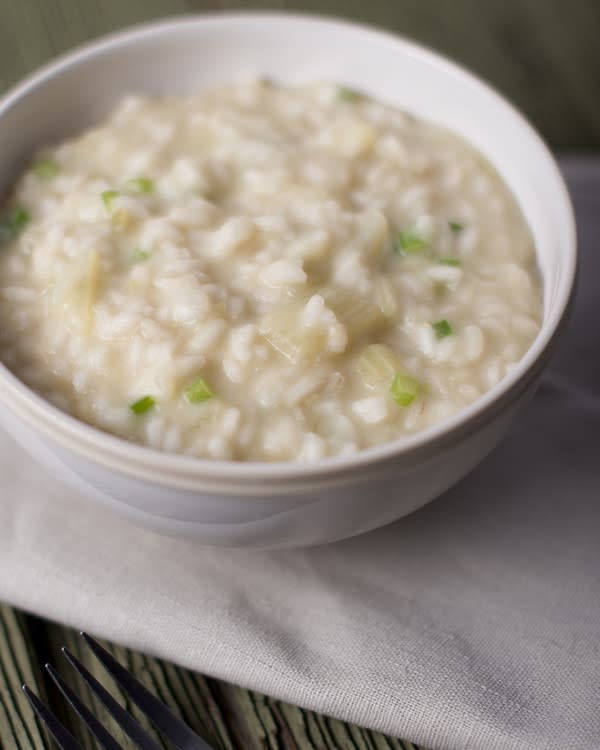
x=127 y=723
x=161 y=716
x=62 y=737
x=95 y=727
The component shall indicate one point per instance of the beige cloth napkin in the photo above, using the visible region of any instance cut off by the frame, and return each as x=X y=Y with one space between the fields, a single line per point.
x=473 y=624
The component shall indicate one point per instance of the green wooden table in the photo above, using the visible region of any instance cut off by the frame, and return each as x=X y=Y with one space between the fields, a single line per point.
x=544 y=56
x=226 y=716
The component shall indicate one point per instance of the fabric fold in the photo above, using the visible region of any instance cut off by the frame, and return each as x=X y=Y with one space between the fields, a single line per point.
x=473 y=624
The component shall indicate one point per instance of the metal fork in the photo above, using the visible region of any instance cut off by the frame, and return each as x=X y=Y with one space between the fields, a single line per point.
x=162 y=717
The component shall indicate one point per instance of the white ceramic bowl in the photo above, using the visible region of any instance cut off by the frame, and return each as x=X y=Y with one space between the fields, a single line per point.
x=285 y=504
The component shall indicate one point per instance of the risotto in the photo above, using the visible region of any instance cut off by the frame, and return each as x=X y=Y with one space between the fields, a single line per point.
x=264 y=273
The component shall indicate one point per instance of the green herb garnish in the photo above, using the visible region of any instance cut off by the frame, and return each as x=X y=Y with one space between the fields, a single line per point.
x=46 y=169
x=19 y=219
x=442 y=329
x=108 y=196
x=143 y=405
x=404 y=389
x=449 y=261
x=198 y=391
x=455 y=226
x=13 y=224
x=140 y=256
x=140 y=185
x=346 y=94
x=408 y=242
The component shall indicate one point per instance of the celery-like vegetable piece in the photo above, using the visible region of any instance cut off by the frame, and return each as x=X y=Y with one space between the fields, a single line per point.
x=357 y=313
x=373 y=232
x=198 y=391
x=75 y=293
x=284 y=331
x=455 y=226
x=404 y=389
x=121 y=217
x=385 y=296
x=380 y=368
x=142 y=405
x=377 y=366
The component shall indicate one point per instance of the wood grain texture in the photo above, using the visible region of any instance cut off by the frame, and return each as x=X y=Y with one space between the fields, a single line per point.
x=228 y=717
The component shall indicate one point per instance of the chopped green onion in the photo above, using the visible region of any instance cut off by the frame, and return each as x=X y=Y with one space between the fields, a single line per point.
x=449 y=261
x=455 y=226
x=349 y=95
x=108 y=197
x=442 y=329
x=404 y=389
x=198 y=391
x=409 y=242
x=141 y=185
x=143 y=405
x=13 y=224
x=45 y=169
x=139 y=255
x=19 y=219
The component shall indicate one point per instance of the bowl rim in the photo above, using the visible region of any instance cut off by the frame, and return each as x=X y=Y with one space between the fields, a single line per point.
x=221 y=475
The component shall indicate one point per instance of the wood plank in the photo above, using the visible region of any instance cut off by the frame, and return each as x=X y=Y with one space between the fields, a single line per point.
x=228 y=717
x=18 y=664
